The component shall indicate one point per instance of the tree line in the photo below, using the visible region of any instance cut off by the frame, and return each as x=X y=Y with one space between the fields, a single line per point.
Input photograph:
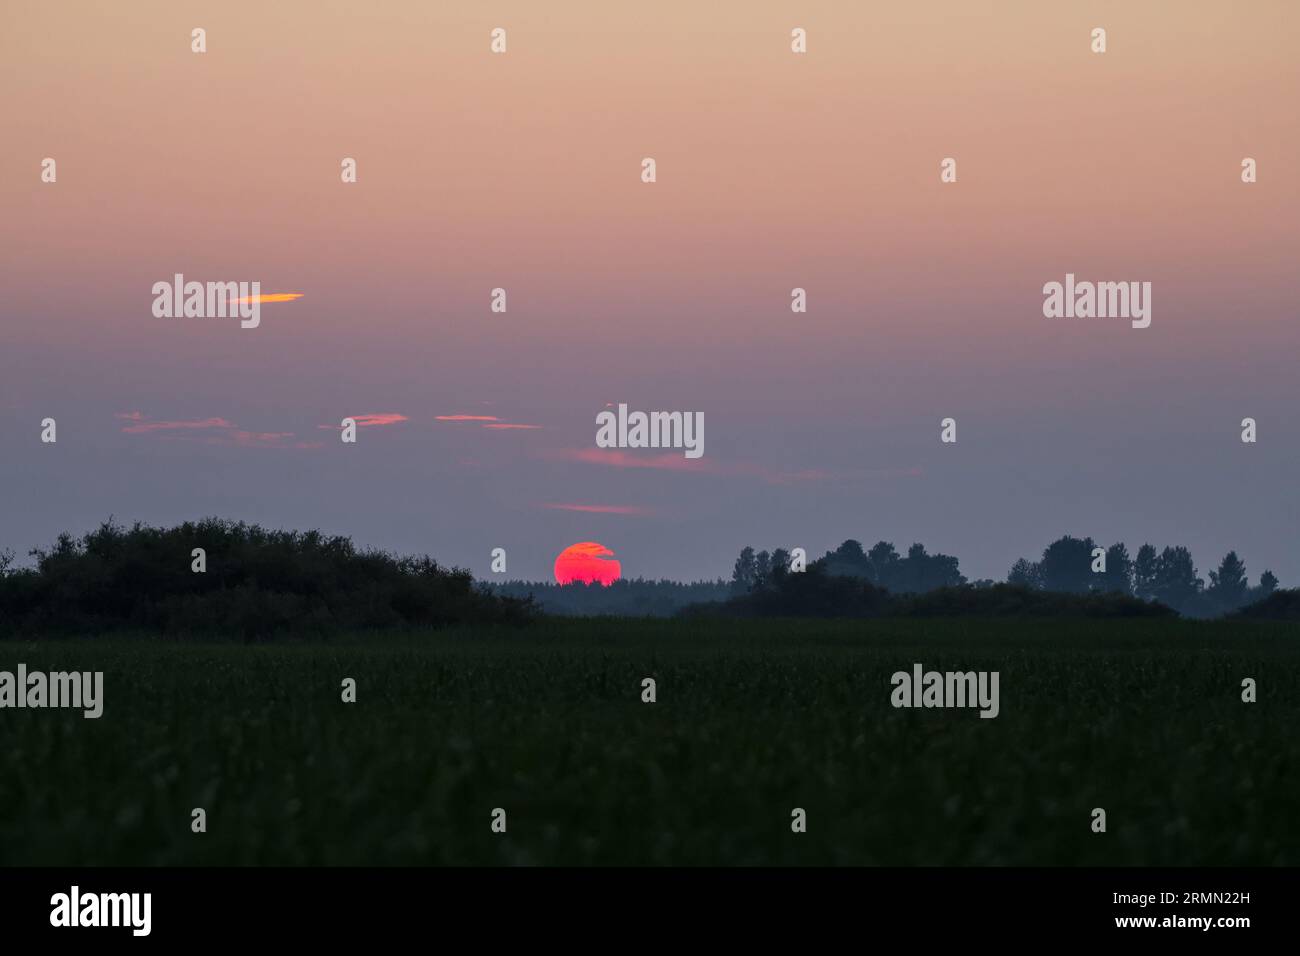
x=1072 y=565
x=630 y=597
x=1068 y=565
x=231 y=579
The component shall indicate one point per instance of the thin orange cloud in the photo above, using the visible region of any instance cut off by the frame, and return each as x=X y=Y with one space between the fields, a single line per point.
x=383 y=418
x=268 y=297
x=613 y=458
x=467 y=418
x=214 y=431
x=142 y=426
x=253 y=439
x=601 y=509
x=365 y=421
x=675 y=461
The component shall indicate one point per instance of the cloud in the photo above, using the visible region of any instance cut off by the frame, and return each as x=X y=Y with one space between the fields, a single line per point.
x=783 y=477
x=601 y=509
x=486 y=421
x=614 y=458
x=253 y=439
x=365 y=421
x=675 y=461
x=211 y=431
x=142 y=426
x=267 y=297
x=383 y=418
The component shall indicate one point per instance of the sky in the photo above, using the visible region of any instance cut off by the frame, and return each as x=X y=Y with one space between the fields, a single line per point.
x=774 y=170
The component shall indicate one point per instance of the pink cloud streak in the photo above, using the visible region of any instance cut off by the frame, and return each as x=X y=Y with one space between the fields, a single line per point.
x=601 y=509
x=218 y=431
x=142 y=426
x=676 y=461
x=366 y=421
x=614 y=458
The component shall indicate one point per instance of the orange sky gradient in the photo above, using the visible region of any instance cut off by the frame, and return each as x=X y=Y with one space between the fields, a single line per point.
x=775 y=170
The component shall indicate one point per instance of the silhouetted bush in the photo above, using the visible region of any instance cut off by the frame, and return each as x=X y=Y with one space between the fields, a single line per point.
x=810 y=593
x=817 y=593
x=1012 y=600
x=634 y=597
x=258 y=583
x=1283 y=605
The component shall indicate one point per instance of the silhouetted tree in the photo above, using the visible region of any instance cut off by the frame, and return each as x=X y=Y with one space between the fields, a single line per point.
x=745 y=571
x=882 y=557
x=1067 y=565
x=848 y=560
x=1025 y=574
x=1176 y=582
x=1228 y=584
x=850 y=552
x=920 y=572
x=1118 y=576
x=780 y=565
x=1144 y=572
x=1267 y=586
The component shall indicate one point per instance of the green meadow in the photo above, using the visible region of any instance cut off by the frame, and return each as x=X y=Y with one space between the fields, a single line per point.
x=1143 y=718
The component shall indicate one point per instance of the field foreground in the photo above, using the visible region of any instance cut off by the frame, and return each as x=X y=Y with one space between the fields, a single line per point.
x=1142 y=718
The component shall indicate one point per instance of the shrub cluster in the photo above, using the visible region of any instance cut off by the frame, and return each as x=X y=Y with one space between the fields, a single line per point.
x=257 y=583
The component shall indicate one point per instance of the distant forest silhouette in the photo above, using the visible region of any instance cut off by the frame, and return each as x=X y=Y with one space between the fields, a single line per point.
x=762 y=583
x=1167 y=576
x=258 y=583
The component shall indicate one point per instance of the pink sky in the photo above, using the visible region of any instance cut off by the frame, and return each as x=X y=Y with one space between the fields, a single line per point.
x=774 y=171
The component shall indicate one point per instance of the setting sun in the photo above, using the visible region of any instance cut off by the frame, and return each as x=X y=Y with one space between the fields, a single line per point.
x=587 y=562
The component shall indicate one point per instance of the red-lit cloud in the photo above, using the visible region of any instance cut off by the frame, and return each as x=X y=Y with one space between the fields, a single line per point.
x=366 y=421
x=614 y=458
x=254 y=439
x=601 y=509
x=383 y=418
x=676 y=461
x=142 y=426
x=211 y=431
x=486 y=421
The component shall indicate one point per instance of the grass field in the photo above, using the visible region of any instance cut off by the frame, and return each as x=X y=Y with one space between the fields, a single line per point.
x=1142 y=718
